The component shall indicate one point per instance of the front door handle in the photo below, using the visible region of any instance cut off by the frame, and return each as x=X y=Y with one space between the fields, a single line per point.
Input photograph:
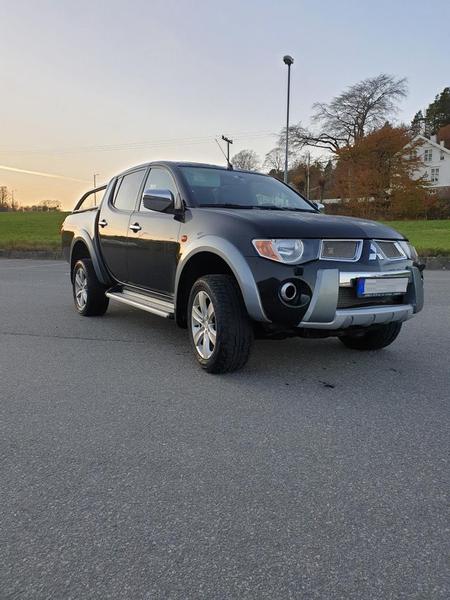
x=103 y=223
x=135 y=227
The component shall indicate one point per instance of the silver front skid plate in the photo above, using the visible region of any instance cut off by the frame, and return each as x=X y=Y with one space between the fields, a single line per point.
x=364 y=317
x=322 y=312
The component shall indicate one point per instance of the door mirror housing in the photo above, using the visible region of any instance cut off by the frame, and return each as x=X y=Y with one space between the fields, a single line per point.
x=319 y=205
x=160 y=200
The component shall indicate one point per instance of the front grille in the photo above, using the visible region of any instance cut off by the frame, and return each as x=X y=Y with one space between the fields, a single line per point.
x=344 y=250
x=391 y=250
x=347 y=298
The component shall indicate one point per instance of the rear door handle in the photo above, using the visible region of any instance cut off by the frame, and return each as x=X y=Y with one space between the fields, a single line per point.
x=103 y=223
x=135 y=227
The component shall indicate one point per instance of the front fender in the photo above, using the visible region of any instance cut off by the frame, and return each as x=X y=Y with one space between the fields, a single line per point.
x=238 y=265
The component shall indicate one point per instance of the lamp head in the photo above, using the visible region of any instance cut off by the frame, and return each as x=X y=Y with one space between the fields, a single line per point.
x=288 y=60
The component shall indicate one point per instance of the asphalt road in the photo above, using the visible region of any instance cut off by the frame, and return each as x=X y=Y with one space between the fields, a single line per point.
x=127 y=472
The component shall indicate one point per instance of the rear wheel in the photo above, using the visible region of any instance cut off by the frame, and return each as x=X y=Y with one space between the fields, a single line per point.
x=219 y=328
x=88 y=292
x=374 y=339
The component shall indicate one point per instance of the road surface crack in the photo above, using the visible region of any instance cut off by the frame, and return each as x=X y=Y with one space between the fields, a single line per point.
x=70 y=337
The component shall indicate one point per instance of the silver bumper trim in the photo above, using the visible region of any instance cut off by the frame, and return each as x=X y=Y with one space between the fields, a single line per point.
x=363 y=317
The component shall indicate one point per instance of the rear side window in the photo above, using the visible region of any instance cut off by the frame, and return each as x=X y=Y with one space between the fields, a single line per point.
x=91 y=200
x=127 y=190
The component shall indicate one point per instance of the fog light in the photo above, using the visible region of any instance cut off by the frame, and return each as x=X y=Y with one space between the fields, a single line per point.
x=288 y=291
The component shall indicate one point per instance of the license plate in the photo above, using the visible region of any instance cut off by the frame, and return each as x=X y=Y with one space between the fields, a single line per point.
x=371 y=286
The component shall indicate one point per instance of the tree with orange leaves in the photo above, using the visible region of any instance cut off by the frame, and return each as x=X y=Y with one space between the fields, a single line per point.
x=375 y=177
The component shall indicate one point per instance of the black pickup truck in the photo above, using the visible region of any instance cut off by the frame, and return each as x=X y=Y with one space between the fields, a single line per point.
x=233 y=255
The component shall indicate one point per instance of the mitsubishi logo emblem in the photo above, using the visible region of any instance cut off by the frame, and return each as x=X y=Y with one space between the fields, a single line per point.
x=375 y=252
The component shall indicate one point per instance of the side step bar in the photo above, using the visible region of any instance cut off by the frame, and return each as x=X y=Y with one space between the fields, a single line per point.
x=159 y=307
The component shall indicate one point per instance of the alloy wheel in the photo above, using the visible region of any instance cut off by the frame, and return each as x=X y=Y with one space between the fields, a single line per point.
x=80 y=286
x=203 y=325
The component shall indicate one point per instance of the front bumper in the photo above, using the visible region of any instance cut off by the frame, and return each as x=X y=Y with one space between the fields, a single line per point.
x=323 y=312
x=363 y=317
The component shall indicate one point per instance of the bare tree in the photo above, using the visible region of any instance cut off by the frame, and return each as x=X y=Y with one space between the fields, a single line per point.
x=362 y=108
x=4 y=198
x=274 y=160
x=246 y=159
x=51 y=205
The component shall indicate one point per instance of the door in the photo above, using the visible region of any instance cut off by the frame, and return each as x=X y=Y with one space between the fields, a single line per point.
x=153 y=245
x=114 y=221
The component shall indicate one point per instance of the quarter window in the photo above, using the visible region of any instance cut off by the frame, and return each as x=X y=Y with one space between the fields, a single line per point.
x=127 y=190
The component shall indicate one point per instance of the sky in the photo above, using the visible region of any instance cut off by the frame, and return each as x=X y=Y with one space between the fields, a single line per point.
x=96 y=86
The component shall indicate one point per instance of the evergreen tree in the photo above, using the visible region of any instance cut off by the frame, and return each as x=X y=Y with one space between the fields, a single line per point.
x=438 y=113
x=417 y=124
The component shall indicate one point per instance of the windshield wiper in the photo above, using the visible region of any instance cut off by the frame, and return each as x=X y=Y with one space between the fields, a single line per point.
x=226 y=205
x=253 y=207
x=271 y=207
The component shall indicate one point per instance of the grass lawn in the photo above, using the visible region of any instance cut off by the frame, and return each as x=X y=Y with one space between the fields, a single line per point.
x=40 y=231
x=431 y=238
x=30 y=230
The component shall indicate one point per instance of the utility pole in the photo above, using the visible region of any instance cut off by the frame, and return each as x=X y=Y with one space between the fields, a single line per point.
x=288 y=60
x=95 y=185
x=228 y=142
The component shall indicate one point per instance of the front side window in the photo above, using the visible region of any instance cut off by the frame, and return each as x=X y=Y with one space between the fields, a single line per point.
x=210 y=187
x=159 y=179
x=127 y=189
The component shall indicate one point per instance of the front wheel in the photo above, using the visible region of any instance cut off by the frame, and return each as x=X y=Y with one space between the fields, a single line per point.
x=219 y=328
x=373 y=339
x=88 y=293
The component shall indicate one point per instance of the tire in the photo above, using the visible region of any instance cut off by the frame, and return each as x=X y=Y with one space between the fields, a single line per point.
x=88 y=293
x=226 y=326
x=379 y=337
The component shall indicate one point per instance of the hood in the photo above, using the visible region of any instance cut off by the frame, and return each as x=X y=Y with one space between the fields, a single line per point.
x=280 y=224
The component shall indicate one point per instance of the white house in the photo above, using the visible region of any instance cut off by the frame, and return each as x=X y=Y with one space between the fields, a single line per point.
x=435 y=162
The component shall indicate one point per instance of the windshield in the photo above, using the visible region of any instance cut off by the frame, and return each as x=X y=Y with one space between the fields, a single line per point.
x=233 y=189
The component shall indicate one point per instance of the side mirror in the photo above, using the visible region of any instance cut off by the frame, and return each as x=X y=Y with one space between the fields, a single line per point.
x=319 y=205
x=159 y=200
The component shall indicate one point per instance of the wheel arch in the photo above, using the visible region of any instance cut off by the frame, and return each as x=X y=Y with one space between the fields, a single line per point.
x=83 y=247
x=216 y=256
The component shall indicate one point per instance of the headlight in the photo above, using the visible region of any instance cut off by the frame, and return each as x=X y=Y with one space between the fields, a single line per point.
x=285 y=251
x=409 y=250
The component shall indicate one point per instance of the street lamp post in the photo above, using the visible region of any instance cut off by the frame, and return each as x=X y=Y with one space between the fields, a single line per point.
x=288 y=60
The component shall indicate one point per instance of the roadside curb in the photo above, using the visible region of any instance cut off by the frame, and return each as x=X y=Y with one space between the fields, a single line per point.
x=36 y=254
x=435 y=263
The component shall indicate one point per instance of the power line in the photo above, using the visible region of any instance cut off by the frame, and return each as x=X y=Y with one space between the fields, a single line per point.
x=150 y=145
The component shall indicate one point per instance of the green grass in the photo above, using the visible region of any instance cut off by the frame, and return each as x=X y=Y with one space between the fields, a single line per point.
x=30 y=230
x=431 y=238
x=41 y=231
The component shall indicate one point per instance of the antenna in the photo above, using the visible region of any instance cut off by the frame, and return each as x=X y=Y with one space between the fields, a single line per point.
x=220 y=148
